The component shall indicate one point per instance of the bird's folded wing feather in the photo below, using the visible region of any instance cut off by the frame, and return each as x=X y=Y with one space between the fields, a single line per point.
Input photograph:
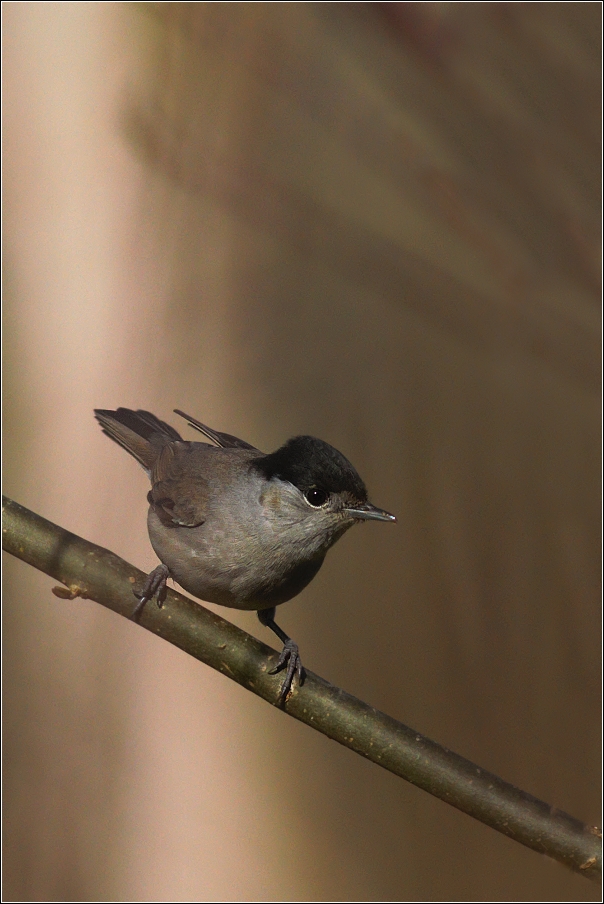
x=226 y=440
x=179 y=494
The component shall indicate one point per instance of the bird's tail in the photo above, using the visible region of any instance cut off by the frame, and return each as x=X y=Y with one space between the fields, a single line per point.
x=138 y=432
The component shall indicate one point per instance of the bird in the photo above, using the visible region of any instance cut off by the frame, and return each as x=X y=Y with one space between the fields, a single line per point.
x=236 y=526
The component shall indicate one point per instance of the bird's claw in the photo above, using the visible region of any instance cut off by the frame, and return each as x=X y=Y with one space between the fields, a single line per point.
x=289 y=657
x=155 y=585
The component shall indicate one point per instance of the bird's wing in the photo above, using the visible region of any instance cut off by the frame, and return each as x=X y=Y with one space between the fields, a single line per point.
x=179 y=493
x=221 y=439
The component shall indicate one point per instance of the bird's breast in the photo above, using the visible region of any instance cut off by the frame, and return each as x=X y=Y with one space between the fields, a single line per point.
x=242 y=566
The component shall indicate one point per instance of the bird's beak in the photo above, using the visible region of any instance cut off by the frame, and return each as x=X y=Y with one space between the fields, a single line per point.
x=368 y=512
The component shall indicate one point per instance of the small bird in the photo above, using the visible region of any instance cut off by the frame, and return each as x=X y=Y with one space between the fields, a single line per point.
x=236 y=526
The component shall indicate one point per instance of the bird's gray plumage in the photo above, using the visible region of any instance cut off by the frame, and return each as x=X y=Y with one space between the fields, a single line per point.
x=236 y=526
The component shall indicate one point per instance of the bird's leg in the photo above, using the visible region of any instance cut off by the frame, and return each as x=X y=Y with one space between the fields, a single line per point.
x=289 y=657
x=155 y=585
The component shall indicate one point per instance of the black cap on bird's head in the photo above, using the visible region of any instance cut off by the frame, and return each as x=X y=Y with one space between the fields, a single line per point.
x=319 y=471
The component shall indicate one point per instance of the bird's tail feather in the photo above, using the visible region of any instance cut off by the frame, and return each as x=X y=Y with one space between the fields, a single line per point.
x=138 y=432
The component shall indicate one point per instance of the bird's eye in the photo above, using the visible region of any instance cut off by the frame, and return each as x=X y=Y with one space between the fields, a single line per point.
x=316 y=497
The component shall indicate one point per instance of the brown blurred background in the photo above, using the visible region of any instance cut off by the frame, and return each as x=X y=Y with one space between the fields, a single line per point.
x=376 y=223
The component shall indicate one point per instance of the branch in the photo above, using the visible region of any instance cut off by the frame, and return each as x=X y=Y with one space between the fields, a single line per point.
x=91 y=572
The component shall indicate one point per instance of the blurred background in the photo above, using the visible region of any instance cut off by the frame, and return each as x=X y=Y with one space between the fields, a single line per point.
x=374 y=222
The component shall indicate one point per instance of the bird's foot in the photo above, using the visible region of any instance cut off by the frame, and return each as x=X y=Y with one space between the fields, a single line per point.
x=155 y=585
x=290 y=658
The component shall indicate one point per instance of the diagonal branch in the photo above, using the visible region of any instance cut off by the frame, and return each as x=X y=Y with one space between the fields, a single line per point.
x=92 y=572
